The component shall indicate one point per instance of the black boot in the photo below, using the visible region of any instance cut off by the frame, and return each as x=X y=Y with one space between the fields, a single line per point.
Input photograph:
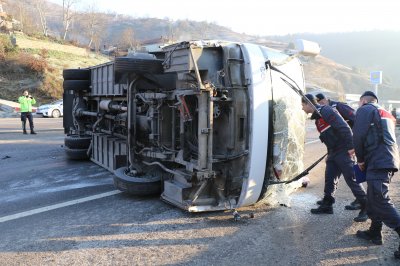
x=373 y=234
x=24 y=127
x=319 y=202
x=397 y=252
x=325 y=207
x=355 y=205
x=362 y=215
x=32 y=131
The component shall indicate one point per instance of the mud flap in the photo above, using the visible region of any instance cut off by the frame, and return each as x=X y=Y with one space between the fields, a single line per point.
x=68 y=98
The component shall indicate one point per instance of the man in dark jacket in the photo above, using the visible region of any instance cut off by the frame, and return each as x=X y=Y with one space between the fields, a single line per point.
x=349 y=115
x=344 y=109
x=337 y=136
x=377 y=154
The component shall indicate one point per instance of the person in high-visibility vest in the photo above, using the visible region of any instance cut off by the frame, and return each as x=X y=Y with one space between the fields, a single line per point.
x=26 y=101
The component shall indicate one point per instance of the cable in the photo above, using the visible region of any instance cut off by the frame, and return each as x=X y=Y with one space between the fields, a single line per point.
x=304 y=173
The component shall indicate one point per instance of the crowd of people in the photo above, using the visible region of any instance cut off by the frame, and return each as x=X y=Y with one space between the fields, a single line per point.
x=364 y=141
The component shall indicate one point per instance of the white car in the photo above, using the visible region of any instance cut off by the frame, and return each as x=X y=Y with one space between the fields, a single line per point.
x=54 y=109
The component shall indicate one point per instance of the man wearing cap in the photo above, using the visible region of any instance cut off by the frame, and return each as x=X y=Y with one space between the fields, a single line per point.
x=378 y=155
x=336 y=134
x=344 y=109
x=349 y=115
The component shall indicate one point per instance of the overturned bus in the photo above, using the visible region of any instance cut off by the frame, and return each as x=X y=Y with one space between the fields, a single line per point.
x=208 y=125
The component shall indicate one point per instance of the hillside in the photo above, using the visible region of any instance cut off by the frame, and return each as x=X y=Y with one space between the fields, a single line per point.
x=343 y=67
x=320 y=71
x=151 y=28
x=113 y=25
x=364 y=51
x=361 y=51
x=36 y=65
x=323 y=72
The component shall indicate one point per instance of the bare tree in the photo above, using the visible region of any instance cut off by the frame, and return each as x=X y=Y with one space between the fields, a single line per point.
x=171 y=32
x=68 y=15
x=204 y=30
x=97 y=39
x=128 y=38
x=41 y=7
x=20 y=11
x=94 y=24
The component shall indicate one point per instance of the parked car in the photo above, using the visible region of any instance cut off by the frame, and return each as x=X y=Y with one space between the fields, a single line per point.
x=54 y=109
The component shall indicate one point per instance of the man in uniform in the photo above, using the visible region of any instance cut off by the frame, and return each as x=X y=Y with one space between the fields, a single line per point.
x=349 y=115
x=344 y=109
x=337 y=136
x=377 y=154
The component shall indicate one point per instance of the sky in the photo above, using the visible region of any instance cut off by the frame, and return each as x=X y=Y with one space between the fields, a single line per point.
x=265 y=17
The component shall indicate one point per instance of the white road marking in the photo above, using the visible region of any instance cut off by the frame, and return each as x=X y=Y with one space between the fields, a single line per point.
x=57 y=206
x=73 y=202
x=312 y=141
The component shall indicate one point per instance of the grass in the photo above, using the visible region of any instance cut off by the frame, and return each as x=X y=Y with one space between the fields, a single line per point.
x=38 y=70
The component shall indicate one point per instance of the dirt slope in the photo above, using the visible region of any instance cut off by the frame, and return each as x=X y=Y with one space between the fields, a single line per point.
x=37 y=66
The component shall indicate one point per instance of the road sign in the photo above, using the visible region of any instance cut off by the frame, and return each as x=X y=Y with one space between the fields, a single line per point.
x=376 y=77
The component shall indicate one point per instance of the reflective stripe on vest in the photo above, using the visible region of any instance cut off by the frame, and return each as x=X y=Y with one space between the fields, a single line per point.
x=386 y=115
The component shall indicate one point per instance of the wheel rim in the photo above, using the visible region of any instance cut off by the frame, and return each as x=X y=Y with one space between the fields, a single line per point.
x=55 y=114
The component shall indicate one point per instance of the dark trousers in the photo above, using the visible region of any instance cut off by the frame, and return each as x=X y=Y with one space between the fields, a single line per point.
x=339 y=163
x=24 y=116
x=379 y=207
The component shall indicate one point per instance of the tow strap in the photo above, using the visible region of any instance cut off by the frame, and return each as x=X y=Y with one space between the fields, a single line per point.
x=304 y=173
x=296 y=88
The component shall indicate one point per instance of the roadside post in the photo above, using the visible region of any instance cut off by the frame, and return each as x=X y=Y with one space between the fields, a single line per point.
x=376 y=79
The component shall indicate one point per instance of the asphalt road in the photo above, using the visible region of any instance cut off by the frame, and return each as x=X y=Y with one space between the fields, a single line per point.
x=59 y=212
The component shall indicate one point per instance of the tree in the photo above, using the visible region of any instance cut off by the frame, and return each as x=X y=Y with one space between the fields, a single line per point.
x=68 y=15
x=97 y=40
x=41 y=7
x=22 y=12
x=171 y=29
x=93 y=24
x=128 y=38
x=204 y=30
